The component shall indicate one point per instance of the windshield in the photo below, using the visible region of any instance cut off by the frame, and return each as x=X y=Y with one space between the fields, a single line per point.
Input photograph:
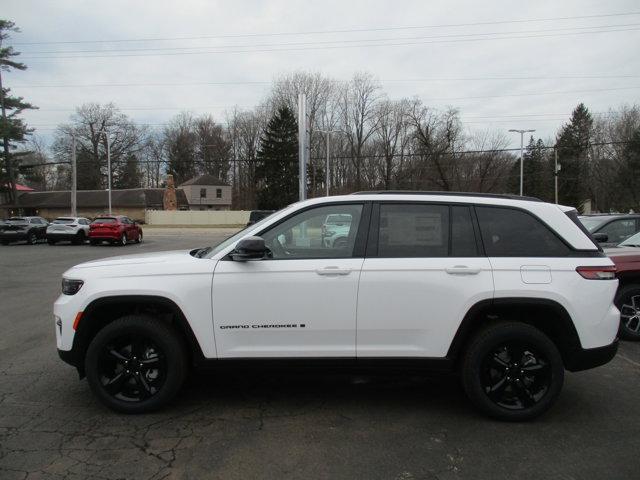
x=591 y=223
x=632 y=241
x=211 y=251
x=104 y=220
x=63 y=221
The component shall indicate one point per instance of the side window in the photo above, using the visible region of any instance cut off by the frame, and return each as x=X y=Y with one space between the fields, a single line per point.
x=619 y=230
x=323 y=232
x=218 y=193
x=513 y=233
x=408 y=230
x=463 y=238
x=203 y=193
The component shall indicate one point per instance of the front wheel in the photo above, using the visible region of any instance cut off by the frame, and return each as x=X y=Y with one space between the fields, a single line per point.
x=628 y=302
x=136 y=364
x=123 y=240
x=512 y=371
x=139 y=238
x=32 y=238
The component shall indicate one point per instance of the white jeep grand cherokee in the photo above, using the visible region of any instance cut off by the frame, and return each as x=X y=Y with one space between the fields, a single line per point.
x=508 y=291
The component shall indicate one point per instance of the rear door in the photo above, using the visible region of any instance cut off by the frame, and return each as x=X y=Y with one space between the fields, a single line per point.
x=422 y=273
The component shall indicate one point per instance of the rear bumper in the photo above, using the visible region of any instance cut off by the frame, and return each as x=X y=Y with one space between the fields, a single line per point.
x=62 y=236
x=104 y=236
x=586 y=358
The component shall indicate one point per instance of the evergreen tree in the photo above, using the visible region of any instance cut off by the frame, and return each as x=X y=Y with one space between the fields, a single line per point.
x=573 y=144
x=128 y=173
x=277 y=162
x=12 y=129
x=536 y=174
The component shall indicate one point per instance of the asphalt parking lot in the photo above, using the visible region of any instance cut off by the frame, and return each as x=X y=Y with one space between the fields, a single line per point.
x=283 y=425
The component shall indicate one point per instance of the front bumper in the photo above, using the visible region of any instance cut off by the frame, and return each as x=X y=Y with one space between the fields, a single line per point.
x=586 y=358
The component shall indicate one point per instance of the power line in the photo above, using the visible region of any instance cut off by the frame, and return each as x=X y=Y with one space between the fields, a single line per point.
x=598 y=28
x=346 y=157
x=394 y=80
x=324 y=47
x=324 y=32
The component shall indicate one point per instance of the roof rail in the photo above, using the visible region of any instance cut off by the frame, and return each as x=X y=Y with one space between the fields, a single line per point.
x=452 y=194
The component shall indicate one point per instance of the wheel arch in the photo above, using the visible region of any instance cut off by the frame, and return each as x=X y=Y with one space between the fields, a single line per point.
x=547 y=315
x=102 y=311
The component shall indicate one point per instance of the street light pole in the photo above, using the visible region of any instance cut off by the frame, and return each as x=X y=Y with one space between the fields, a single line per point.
x=521 y=132
x=106 y=137
x=327 y=136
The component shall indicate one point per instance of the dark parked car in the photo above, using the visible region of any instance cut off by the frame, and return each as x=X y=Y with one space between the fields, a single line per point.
x=29 y=229
x=117 y=230
x=256 y=215
x=610 y=230
x=626 y=256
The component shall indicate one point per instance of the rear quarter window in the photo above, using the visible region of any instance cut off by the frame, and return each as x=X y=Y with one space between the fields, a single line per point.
x=507 y=232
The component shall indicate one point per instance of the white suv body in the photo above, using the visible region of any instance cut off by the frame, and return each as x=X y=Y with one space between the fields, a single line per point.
x=72 y=229
x=420 y=277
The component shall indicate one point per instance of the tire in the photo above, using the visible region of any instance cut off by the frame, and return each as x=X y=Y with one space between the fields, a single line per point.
x=32 y=238
x=80 y=238
x=522 y=366
x=628 y=302
x=93 y=242
x=123 y=240
x=139 y=238
x=133 y=391
x=51 y=242
x=5 y=242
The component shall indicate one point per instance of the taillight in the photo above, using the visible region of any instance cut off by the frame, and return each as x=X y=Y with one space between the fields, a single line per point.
x=597 y=273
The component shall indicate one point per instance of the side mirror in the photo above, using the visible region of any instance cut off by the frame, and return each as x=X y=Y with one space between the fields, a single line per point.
x=601 y=237
x=250 y=248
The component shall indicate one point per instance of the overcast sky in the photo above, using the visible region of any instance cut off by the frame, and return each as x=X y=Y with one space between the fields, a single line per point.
x=447 y=53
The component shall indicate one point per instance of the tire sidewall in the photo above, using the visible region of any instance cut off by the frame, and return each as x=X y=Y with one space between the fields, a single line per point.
x=491 y=338
x=167 y=341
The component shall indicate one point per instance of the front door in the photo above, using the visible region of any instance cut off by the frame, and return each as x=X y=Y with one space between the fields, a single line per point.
x=301 y=302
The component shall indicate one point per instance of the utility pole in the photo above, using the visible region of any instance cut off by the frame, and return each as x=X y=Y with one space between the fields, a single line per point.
x=521 y=132
x=74 y=177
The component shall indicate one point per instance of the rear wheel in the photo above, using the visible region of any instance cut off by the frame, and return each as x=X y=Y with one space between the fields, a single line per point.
x=93 y=242
x=32 y=238
x=79 y=238
x=136 y=364
x=512 y=371
x=628 y=302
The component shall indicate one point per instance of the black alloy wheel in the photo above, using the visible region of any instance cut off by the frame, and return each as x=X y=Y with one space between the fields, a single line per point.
x=32 y=238
x=136 y=364
x=132 y=368
x=628 y=302
x=515 y=376
x=512 y=371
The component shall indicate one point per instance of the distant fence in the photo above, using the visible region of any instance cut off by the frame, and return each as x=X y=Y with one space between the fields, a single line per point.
x=218 y=218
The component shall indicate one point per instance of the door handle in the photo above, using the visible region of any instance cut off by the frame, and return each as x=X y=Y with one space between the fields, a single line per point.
x=333 y=271
x=462 y=270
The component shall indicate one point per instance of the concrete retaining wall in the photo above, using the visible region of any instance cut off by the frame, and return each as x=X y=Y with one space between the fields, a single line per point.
x=229 y=218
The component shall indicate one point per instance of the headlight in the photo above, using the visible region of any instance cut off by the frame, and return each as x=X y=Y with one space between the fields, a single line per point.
x=71 y=287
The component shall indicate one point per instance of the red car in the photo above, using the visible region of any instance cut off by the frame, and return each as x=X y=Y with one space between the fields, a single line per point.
x=117 y=230
x=626 y=256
